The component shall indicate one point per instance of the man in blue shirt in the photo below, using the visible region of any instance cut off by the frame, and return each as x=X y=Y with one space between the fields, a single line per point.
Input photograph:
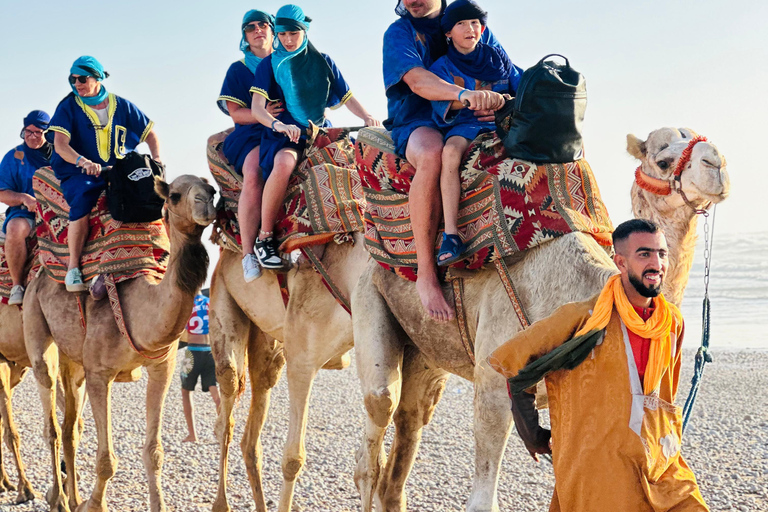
x=16 y=170
x=411 y=45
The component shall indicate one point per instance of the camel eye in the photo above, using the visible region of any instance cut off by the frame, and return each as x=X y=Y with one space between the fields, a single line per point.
x=663 y=165
x=175 y=198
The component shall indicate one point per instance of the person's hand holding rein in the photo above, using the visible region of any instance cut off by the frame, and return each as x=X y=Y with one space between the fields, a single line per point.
x=292 y=131
x=90 y=168
x=29 y=202
x=483 y=100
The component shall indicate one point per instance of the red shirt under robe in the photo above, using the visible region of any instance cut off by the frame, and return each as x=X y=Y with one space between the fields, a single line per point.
x=641 y=347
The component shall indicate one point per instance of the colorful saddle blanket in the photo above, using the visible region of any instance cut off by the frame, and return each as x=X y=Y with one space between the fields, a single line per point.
x=125 y=250
x=324 y=199
x=31 y=267
x=506 y=206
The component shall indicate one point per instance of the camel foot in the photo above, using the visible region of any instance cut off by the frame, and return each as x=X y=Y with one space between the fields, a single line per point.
x=60 y=505
x=221 y=505
x=6 y=485
x=433 y=300
x=26 y=493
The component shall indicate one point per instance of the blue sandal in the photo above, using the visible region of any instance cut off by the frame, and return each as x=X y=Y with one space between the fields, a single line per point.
x=451 y=246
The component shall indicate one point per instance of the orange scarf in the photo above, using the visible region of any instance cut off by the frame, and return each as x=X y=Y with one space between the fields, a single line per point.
x=658 y=328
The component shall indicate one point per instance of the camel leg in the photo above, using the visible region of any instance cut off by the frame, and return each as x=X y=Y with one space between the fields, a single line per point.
x=44 y=359
x=379 y=355
x=229 y=331
x=99 y=387
x=159 y=380
x=493 y=424
x=10 y=374
x=73 y=380
x=422 y=389
x=265 y=363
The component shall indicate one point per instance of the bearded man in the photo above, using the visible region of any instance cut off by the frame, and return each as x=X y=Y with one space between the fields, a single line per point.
x=612 y=367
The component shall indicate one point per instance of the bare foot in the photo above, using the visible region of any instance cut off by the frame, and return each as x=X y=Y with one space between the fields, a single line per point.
x=433 y=301
x=191 y=438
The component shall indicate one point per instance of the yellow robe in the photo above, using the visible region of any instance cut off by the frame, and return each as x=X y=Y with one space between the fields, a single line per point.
x=614 y=449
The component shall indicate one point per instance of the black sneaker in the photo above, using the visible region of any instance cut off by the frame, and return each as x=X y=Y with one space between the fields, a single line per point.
x=266 y=251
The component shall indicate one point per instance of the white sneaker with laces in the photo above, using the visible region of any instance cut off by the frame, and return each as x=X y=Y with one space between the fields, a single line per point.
x=17 y=295
x=251 y=268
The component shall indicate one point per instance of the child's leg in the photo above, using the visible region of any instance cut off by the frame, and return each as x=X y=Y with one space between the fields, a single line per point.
x=249 y=204
x=450 y=185
x=275 y=188
x=189 y=416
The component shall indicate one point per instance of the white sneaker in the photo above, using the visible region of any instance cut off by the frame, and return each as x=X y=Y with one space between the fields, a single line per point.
x=251 y=268
x=74 y=281
x=17 y=295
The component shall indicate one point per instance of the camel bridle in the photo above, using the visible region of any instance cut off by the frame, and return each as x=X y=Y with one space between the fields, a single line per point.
x=662 y=187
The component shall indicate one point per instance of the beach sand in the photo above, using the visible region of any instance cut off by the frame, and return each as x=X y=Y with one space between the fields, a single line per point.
x=726 y=445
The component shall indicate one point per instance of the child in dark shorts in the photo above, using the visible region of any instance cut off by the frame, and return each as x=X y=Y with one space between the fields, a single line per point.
x=198 y=364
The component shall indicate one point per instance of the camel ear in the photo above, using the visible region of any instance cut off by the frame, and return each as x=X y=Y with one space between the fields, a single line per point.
x=635 y=147
x=161 y=188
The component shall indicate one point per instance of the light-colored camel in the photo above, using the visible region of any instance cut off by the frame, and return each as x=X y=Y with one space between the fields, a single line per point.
x=389 y=329
x=13 y=365
x=155 y=315
x=246 y=319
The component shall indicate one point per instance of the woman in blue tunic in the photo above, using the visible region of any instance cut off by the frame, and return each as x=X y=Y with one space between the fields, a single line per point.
x=16 y=170
x=93 y=128
x=473 y=65
x=241 y=147
x=306 y=82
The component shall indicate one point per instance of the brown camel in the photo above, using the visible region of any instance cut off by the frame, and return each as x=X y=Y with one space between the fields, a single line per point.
x=389 y=328
x=246 y=319
x=13 y=365
x=155 y=315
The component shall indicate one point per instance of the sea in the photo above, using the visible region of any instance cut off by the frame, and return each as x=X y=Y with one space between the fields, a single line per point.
x=738 y=293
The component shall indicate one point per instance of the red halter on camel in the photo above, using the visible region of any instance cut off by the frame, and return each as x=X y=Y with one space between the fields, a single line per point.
x=662 y=187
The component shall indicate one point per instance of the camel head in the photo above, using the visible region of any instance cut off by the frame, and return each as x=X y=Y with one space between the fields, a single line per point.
x=681 y=167
x=189 y=202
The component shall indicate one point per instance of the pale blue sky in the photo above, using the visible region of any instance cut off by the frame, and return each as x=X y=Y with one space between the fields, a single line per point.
x=648 y=64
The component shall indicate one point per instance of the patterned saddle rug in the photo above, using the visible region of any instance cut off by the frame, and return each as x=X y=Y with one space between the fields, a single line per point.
x=124 y=250
x=506 y=205
x=31 y=267
x=324 y=201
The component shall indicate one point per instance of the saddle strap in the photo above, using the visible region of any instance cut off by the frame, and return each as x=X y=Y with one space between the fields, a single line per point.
x=327 y=281
x=461 y=318
x=514 y=298
x=117 y=311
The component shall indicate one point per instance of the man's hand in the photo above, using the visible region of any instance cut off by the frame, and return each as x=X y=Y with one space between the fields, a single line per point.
x=274 y=108
x=485 y=116
x=91 y=168
x=483 y=100
x=292 y=131
x=29 y=202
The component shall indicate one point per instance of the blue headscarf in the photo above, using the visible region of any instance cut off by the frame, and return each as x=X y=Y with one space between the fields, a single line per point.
x=89 y=66
x=430 y=27
x=485 y=62
x=303 y=74
x=251 y=60
x=40 y=157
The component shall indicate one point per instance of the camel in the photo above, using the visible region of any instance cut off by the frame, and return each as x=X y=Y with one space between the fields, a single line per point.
x=392 y=333
x=314 y=331
x=14 y=364
x=155 y=315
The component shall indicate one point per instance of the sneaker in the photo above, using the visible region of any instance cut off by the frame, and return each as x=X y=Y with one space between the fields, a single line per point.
x=17 y=295
x=74 y=281
x=266 y=251
x=251 y=268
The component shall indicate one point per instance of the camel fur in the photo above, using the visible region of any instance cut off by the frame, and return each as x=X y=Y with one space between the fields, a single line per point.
x=391 y=329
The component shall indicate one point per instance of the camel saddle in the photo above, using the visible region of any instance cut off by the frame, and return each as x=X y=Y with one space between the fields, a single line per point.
x=118 y=249
x=31 y=267
x=506 y=206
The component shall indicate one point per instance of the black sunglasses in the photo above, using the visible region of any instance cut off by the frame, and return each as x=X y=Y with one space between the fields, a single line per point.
x=82 y=79
x=251 y=27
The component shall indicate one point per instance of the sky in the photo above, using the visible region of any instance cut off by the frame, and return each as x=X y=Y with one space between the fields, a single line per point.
x=648 y=64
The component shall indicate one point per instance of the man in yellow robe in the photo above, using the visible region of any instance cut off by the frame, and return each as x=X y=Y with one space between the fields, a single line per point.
x=616 y=433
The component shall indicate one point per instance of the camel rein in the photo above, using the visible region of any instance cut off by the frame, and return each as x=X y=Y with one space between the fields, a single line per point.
x=702 y=355
x=663 y=187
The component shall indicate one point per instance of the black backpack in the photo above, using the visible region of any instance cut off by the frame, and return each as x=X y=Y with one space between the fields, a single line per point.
x=131 y=195
x=547 y=114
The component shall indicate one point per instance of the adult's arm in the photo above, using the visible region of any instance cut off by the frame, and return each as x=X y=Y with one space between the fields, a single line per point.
x=153 y=141
x=260 y=113
x=433 y=88
x=357 y=109
x=12 y=198
x=243 y=115
x=65 y=151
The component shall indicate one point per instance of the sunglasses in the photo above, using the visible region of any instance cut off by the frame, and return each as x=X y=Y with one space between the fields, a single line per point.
x=82 y=79
x=32 y=133
x=252 y=26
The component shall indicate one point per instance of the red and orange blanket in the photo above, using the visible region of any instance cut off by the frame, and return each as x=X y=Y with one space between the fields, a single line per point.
x=30 y=268
x=125 y=250
x=324 y=199
x=506 y=205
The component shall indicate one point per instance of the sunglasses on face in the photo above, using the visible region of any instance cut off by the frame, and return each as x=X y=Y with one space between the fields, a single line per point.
x=253 y=26
x=82 y=79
